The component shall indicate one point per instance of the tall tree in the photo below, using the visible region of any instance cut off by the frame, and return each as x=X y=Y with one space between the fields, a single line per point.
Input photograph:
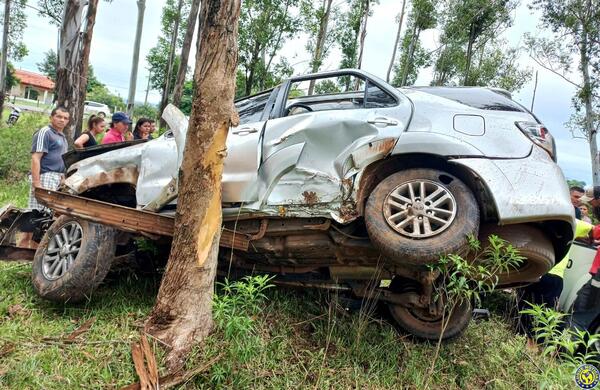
x=182 y=314
x=322 y=25
x=17 y=49
x=576 y=33
x=469 y=40
x=170 y=60
x=185 y=52
x=73 y=58
x=265 y=25
x=400 y=19
x=423 y=16
x=348 y=39
x=364 y=18
x=141 y=4
x=48 y=64
x=162 y=59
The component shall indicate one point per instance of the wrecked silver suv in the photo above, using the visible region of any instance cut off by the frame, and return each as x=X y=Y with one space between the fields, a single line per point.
x=334 y=180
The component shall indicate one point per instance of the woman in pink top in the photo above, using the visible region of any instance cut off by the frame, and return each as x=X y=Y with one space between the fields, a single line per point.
x=118 y=127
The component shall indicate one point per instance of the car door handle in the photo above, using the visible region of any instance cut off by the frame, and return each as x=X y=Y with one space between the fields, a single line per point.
x=383 y=122
x=245 y=131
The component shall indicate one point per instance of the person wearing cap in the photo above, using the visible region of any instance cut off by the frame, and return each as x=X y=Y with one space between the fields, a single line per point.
x=119 y=127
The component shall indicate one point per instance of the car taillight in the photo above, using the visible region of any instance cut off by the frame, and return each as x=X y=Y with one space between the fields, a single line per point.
x=540 y=136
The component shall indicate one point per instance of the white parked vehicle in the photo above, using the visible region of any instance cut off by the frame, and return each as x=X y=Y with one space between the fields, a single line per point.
x=95 y=108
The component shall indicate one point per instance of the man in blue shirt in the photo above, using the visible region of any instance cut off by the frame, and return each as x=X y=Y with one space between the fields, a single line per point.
x=48 y=146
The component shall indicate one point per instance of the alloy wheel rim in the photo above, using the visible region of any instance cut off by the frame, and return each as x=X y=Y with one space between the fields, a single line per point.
x=419 y=208
x=63 y=248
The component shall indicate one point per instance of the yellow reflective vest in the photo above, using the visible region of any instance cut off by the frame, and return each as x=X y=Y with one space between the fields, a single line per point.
x=582 y=230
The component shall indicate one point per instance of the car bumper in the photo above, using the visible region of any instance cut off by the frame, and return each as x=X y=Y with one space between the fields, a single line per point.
x=531 y=189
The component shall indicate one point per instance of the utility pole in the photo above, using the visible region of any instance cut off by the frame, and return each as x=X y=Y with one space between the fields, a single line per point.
x=136 y=56
x=4 y=58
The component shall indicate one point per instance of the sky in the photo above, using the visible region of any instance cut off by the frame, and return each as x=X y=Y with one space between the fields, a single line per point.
x=114 y=33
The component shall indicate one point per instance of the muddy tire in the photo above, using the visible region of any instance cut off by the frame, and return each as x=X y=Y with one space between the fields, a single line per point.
x=420 y=324
x=416 y=215
x=532 y=244
x=72 y=259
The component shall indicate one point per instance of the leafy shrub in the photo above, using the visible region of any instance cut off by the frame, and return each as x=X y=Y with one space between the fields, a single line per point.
x=15 y=146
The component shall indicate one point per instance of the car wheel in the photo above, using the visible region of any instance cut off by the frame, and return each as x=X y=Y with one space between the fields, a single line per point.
x=72 y=259
x=421 y=324
x=416 y=215
x=101 y=114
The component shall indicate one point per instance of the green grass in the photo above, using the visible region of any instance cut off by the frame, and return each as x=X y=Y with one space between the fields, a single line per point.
x=295 y=340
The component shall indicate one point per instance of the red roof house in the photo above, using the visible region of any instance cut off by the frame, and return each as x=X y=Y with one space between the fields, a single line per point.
x=33 y=86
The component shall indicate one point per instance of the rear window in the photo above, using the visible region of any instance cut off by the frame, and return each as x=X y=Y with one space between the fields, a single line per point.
x=481 y=98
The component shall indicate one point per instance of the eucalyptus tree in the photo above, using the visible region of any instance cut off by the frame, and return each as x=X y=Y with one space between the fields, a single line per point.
x=469 y=40
x=322 y=24
x=574 y=40
x=423 y=16
x=265 y=26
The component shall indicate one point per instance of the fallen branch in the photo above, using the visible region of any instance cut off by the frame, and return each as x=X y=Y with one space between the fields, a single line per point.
x=172 y=380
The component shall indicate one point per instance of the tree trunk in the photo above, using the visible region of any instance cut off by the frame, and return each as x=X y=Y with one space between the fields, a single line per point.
x=320 y=44
x=253 y=63
x=182 y=314
x=68 y=80
x=409 y=56
x=589 y=109
x=363 y=33
x=469 y=55
x=185 y=53
x=164 y=100
x=136 y=57
x=387 y=77
x=4 y=57
x=83 y=64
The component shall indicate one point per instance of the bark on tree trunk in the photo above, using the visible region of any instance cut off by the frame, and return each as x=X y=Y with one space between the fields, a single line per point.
x=182 y=314
x=589 y=110
x=185 y=53
x=83 y=65
x=164 y=100
x=318 y=56
x=253 y=64
x=68 y=73
x=387 y=77
x=469 y=55
x=409 y=57
x=363 y=33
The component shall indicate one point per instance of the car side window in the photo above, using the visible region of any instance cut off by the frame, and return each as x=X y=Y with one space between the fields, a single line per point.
x=251 y=109
x=344 y=92
x=378 y=98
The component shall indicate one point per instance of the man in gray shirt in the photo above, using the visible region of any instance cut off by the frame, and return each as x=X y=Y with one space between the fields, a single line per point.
x=48 y=146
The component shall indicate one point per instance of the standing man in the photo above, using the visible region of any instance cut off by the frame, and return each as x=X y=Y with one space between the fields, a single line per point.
x=576 y=194
x=48 y=146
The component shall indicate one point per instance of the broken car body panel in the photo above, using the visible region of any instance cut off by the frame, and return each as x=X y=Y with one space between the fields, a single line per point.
x=310 y=164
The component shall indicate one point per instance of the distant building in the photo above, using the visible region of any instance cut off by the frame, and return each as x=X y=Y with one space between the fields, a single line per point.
x=33 y=86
